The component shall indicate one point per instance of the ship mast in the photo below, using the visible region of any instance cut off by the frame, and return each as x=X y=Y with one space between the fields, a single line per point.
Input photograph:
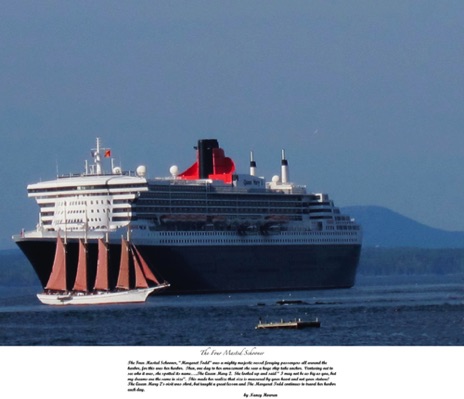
x=97 y=158
x=96 y=153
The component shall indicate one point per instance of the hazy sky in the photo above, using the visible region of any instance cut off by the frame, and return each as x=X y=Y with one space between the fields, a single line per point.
x=366 y=97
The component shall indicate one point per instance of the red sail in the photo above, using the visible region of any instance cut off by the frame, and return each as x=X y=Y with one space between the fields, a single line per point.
x=123 y=277
x=101 y=280
x=57 y=279
x=140 y=281
x=145 y=268
x=81 y=276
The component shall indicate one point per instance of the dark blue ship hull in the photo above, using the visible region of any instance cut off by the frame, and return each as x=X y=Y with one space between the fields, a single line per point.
x=208 y=269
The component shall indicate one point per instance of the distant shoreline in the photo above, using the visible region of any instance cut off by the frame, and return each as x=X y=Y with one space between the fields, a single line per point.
x=375 y=262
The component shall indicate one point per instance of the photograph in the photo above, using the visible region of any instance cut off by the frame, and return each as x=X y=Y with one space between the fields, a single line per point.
x=231 y=198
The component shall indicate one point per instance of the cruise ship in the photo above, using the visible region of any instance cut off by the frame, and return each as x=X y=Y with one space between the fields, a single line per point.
x=206 y=229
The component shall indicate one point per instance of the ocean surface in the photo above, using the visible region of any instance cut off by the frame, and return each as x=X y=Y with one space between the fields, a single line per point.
x=417 y=311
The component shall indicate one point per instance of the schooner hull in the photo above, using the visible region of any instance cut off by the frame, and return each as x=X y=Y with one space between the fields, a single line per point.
x=137 y=295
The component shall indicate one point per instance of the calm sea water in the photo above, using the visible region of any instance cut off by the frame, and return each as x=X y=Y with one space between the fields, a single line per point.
x=388 y=311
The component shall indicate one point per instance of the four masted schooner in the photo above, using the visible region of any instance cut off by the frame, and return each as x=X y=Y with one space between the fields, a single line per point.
x=56 y=292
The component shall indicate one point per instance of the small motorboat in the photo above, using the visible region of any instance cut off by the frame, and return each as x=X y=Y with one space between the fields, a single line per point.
x=296 y=324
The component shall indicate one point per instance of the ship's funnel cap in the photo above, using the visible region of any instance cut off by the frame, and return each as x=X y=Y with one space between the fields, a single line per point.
x=205 y=156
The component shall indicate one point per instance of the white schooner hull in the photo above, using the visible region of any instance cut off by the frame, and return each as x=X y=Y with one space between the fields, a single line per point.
x=102 y=298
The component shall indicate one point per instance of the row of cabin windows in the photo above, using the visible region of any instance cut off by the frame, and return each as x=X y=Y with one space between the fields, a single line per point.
x=191 y=190
x=98 y=194
x=280 y=240
x=230 y=196
x=234 y=211
x=87 y=202
x=289 y=233
x=83 y=188
x=235 y=203
x=82 y=211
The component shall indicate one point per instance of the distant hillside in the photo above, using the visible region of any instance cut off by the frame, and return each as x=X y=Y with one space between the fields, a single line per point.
x=385 y=228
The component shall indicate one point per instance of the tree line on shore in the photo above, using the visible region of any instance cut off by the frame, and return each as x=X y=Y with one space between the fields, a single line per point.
x=410 y=261
x=15 y=270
